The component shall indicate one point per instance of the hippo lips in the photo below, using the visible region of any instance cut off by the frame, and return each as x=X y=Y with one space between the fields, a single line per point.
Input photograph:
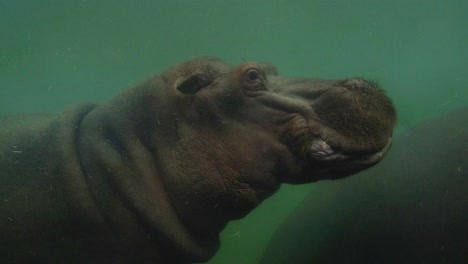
x=322 y=161
x=322 y=151
x=323 y=155
x=312 y=145
x=326 y=162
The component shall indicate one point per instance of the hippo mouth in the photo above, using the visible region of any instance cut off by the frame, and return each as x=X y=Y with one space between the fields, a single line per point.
x=329 y=154
x=339 y=163
x=321 y=151
x=323 y=160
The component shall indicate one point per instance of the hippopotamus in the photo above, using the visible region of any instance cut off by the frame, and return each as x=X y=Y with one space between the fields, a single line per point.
x=410 y=208
x=154 y=174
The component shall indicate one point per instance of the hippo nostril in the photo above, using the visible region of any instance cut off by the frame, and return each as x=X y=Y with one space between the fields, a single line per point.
x=358 y=84
x=355 y=82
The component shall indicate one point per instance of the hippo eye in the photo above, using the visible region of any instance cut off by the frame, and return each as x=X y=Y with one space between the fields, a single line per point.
x=254 y=80
x=253 y=75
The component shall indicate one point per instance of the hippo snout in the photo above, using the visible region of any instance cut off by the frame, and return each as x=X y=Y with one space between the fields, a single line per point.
x=338 y=127
x=358 y=116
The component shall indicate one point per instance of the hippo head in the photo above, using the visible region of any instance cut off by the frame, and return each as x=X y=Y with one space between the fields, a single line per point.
x=221 y=139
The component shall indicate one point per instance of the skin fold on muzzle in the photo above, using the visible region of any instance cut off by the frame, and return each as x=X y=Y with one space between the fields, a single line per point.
x=154 y=174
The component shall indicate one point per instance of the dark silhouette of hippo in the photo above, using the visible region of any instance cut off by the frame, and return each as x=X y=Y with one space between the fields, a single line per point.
x=411 y=208
x=155 y=174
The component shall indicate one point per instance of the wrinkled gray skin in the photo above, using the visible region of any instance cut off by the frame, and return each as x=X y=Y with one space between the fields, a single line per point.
x=156 y=173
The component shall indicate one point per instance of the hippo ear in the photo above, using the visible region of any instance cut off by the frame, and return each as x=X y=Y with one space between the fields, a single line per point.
x=194 y=83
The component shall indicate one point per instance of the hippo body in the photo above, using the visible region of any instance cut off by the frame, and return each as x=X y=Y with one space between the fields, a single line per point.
x=410 y=208
x=153 y=175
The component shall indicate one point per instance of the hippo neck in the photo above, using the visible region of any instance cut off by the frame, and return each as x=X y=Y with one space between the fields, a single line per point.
x=123 y=179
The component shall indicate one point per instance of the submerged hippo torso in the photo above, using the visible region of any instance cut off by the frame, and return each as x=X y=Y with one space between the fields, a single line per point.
x=155 y=174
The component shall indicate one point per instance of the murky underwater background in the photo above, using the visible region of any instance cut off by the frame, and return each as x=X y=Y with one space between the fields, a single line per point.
x=55 y=53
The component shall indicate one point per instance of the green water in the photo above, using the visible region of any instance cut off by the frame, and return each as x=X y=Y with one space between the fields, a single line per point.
x=56 y=53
